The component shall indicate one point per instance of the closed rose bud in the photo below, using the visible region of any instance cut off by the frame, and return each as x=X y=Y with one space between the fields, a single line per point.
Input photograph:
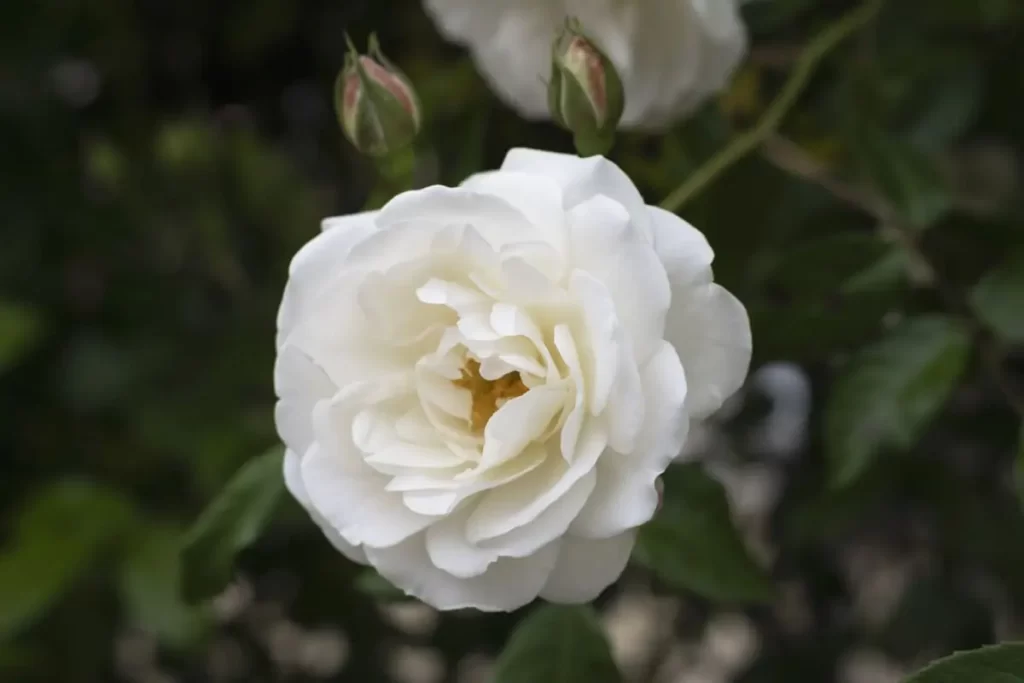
x=584 y=93
x=376 y=105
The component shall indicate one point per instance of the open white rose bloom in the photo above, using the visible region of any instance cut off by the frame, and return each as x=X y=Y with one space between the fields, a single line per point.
x=670 y=54
x=480 y=385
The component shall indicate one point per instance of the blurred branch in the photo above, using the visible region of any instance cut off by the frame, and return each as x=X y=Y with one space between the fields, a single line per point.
x=791 y=158
x=816 y=51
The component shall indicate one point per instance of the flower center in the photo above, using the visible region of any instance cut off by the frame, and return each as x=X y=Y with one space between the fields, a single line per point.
x=488 y=394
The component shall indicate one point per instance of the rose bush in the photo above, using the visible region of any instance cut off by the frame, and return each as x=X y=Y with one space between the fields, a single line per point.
x=479 y=386
x=671 y=54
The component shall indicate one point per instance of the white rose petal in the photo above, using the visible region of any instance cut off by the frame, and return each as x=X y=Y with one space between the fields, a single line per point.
x=480 y=386
x=671 y=55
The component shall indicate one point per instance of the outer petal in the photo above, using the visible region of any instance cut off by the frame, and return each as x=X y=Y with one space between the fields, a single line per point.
x=497 y=220
x=450 y=551
x=293 y=481
x=711 y=331
x=586 y=567
x=344 y=490
x=533 y=196
x=626 y=496
x=683 y=250
x=334 y=332
x=315 y=265
x=605 y=243
x=506 y=585
x=581 y=179
x=355 y=504
x=300 y=385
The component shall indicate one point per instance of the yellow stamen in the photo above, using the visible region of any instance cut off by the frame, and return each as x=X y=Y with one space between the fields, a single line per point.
x=488 y=394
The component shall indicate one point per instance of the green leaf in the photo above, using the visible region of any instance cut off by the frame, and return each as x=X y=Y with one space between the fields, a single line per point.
x=996 y=664
x=815 y=268
x=998 y=299
x=957 y=84
x=558 y=644
x=58 y=537
x=693 y=545
x=907 y=177
x=230 y=523
x=20 y=330
x=150 y=586
x=824 y=294
x=890 y=392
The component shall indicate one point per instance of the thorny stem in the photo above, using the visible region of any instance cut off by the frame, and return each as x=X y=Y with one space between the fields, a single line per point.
x=791 y=158
x=816 y=51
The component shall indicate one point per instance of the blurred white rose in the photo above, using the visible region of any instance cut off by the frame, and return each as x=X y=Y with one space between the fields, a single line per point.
x=671 y=54
x=479 y=386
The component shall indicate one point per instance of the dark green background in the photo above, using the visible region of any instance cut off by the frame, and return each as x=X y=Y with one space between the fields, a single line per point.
x=160 y=163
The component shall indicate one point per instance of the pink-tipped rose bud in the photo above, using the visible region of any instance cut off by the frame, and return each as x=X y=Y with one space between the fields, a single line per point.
x=584 y=93
x=376 y=105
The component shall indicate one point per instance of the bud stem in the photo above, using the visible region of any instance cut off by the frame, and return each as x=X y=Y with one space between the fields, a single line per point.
x=395 y=174
x=593 y=145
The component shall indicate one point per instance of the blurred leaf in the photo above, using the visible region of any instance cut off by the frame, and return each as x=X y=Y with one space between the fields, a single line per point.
x=558 y=644
x=814 y=268
x=885 y=274
x=909 y=179
x=997 y=664
x=998 y=299
x=693 y=545
x=58 y=536
x=890 y=391
x=372 y=584
x=20 y=329
x=951 y=107
x=234 y=519
x=150 y=585
x=825 y=294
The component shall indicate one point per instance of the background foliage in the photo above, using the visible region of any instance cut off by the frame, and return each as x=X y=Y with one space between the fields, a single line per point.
x=160 y=162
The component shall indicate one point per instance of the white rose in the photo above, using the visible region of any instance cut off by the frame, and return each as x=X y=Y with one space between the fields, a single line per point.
x=479 y=386
x=671 y=54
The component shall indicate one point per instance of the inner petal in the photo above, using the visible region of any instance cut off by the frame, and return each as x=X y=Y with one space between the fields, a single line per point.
x=487 y=395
